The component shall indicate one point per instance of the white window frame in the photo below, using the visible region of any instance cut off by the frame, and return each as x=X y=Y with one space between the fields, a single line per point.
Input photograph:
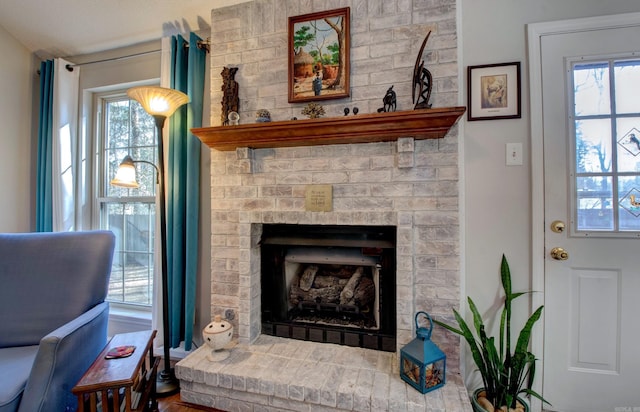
x=130 y=313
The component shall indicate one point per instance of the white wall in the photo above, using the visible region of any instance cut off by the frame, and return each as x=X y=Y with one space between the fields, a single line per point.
x=17 y=174
x=498 y=197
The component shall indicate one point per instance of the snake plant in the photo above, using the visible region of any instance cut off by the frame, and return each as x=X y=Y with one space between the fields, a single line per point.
x=505 y=373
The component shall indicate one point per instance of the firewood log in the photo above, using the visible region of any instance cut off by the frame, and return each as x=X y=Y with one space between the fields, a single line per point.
x=307 y=277
x=365 y=292
x=323 y=281
x=341 y=271
x=347 y=293
x=330 y=294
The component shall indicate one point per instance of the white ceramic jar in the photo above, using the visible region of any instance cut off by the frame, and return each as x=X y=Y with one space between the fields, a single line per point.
x=217 y=336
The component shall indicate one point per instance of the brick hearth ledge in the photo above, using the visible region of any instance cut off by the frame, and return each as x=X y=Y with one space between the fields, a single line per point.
x=277 y=374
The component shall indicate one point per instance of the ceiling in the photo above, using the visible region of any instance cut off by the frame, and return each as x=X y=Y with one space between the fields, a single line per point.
x=65 y=28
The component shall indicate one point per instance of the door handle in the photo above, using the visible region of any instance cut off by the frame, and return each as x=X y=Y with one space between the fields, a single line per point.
x=559 y=253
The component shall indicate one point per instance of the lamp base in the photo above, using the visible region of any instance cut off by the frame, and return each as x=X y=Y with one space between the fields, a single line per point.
x=166 y=383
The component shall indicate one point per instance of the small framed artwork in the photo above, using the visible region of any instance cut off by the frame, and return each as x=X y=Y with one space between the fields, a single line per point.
x=318 y=52
x=493 y=91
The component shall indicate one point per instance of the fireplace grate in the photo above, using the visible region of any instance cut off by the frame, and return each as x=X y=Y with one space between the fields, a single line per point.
x=375 y=341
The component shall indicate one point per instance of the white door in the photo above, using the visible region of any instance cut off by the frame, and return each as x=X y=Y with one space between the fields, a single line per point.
x=591 y=139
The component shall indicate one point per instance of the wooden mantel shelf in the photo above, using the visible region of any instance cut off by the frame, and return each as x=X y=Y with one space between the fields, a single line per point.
x=361 y=128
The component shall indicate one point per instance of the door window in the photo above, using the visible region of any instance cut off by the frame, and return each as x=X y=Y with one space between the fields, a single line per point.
x=606 y=147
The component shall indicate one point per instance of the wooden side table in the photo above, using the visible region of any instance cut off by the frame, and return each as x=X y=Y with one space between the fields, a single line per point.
x=121 y=384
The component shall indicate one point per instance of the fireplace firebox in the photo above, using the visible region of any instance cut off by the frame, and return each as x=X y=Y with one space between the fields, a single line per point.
x=330 y=283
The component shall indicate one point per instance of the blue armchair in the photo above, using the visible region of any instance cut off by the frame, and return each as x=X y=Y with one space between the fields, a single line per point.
x=53 y=315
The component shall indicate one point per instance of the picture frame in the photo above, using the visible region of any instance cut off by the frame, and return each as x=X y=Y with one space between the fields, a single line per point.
x=319 y=55
x=493 y=91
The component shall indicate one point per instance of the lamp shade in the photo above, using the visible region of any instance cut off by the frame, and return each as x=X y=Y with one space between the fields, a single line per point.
x=158 y=101
x=126 y=174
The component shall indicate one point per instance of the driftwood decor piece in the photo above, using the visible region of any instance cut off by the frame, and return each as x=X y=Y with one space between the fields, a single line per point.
x=230 y=99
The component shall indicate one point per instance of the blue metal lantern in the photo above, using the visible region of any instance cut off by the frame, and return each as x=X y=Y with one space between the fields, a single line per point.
x=422 y=363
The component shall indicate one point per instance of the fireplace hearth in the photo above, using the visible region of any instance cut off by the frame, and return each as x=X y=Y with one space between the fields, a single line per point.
x=332 y=284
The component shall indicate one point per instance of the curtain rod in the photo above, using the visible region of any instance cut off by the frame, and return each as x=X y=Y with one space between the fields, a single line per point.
x=202 y=44
x=71 y=66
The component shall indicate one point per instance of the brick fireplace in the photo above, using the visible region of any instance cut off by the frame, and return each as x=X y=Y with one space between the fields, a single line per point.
x=408 y=184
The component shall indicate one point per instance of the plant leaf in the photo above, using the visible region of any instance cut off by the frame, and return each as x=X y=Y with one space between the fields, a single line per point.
x=503 y=319
x=466 y=333
x=477 y=318
x=535 y=395
x=505 y=322
x=525 y=333
x=505 y=274
x=448 y=327
x=517 y=294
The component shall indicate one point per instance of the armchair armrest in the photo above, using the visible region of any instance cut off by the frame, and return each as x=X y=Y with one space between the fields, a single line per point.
x=63 y=357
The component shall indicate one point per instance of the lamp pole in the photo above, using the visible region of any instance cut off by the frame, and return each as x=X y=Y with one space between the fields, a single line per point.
x=166 y=383
x=161 y=103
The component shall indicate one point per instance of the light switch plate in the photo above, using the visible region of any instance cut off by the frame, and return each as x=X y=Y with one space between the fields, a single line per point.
x=514 y=154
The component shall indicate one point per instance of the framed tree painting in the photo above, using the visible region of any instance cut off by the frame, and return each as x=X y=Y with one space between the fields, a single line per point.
x=494 y=91
x=318 y=52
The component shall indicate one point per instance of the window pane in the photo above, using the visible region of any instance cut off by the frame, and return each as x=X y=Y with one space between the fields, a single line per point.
x=143 y=130
x=629 y=189
x=627 y=75
x=129 y=131
x=594 y=203
x=628 y=144
x=593 y=145
x=112 y=159
x=591 y=89
x=145 y=173
x=128 y=125
x=133 y=223
x=118 y=123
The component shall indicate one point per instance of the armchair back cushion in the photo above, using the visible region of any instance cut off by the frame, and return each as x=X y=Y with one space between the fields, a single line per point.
x=48 y=280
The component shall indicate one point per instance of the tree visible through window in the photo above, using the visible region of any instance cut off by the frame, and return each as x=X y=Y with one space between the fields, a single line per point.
x=126 y=129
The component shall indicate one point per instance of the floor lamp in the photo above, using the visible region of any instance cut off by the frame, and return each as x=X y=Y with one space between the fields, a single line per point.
x=160 y=103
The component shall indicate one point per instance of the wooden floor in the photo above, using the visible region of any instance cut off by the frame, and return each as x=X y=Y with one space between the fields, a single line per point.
x=175 y=404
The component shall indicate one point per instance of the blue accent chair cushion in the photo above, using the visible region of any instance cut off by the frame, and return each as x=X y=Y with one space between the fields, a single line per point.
x=53 y=315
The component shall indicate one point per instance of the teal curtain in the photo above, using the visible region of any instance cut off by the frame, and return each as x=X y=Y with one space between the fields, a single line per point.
x=183 y=188
x=44 y=188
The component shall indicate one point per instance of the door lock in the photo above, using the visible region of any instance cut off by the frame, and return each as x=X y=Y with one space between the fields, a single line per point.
x=557 y=226
x=559 y=253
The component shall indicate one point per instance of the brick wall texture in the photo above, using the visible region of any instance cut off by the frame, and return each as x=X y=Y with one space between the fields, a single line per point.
x=409 y=184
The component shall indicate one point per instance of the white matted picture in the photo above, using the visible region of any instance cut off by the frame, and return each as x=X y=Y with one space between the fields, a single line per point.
x=493 y=91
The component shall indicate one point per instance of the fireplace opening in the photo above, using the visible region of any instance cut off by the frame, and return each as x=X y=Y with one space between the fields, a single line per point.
x=333 y=284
